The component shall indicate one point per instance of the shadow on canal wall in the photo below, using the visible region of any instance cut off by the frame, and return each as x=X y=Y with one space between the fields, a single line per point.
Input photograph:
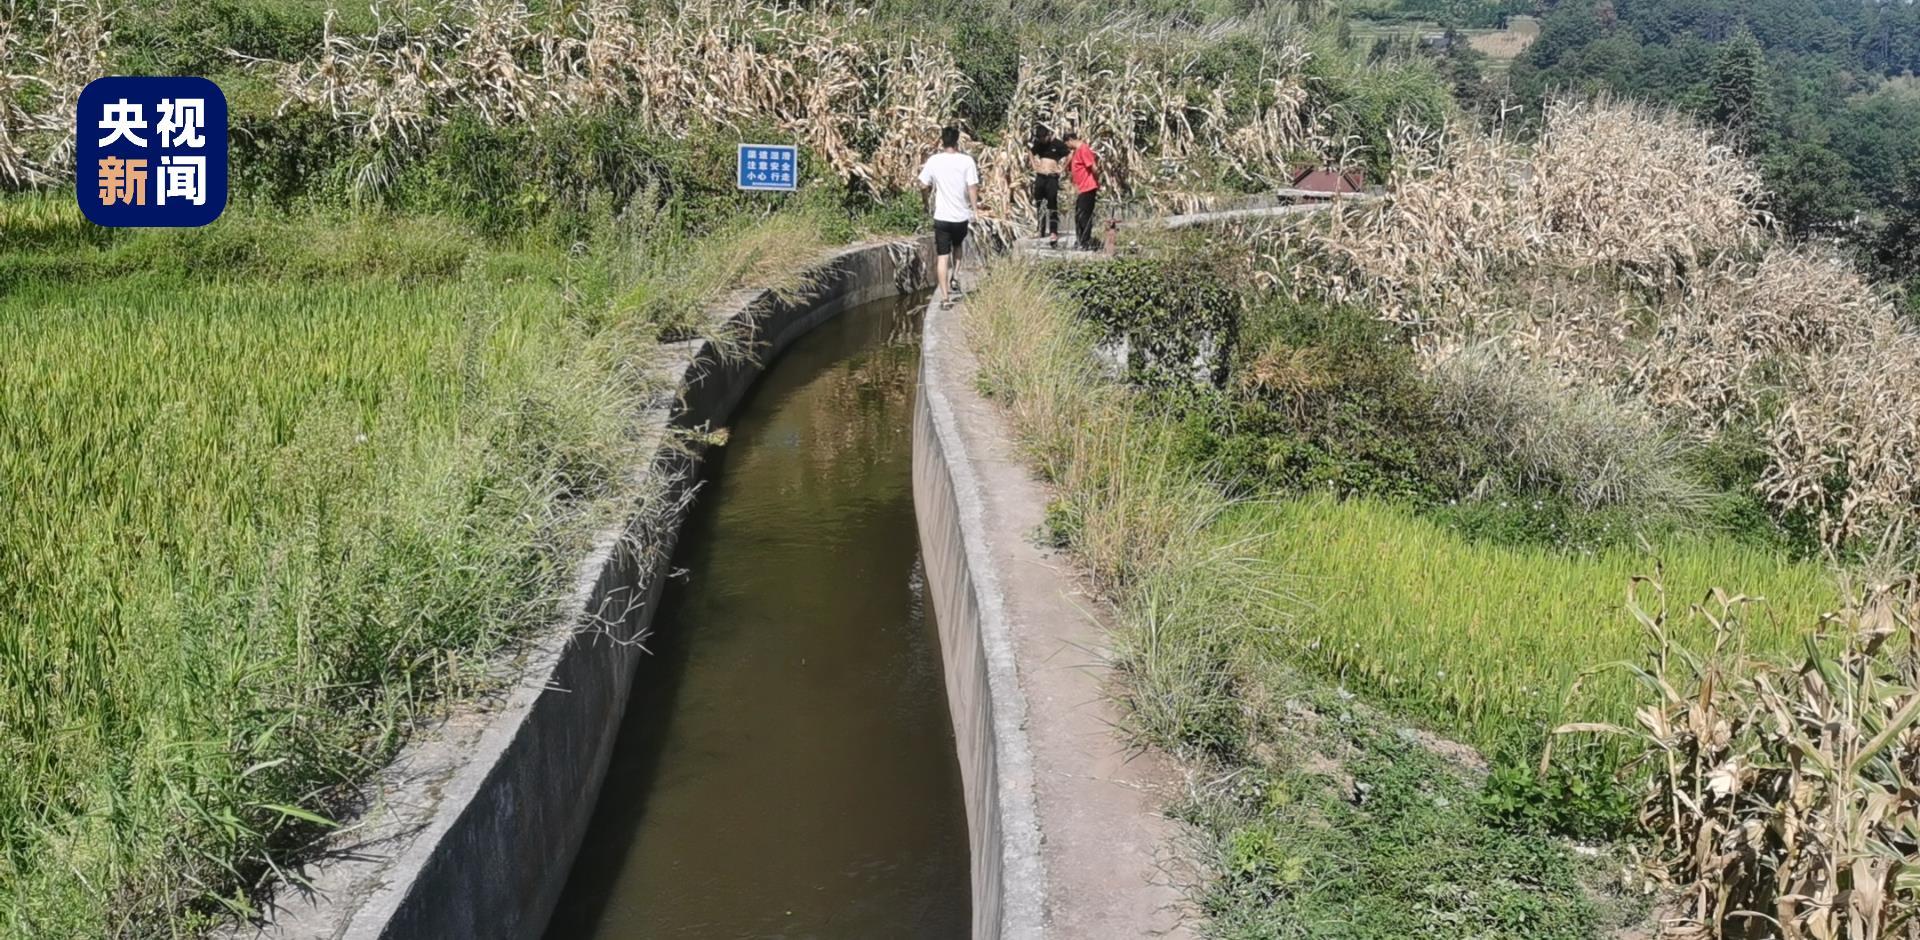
x=983 y=689
x=472 y=829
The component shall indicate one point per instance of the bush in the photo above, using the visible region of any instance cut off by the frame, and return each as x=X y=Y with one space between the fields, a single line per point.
x=1590 y=446
x=1175 y=313
x=1320 y=400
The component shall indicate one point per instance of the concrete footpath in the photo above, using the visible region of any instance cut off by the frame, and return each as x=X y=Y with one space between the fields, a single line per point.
x=1104 y=853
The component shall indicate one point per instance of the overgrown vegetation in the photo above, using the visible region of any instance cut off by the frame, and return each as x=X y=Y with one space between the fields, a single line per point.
x=1319 y=815
x=268 y=499
x=1356 y=831
x=1577 y=257
x=1819 y=92
x=1779 y=794
x=281 y=486
x=1457 y=427
x=395 y=105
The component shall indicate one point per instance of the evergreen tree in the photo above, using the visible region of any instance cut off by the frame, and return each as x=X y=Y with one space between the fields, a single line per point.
x=1897 y=249
x=1740 y=89
x=1809 y=189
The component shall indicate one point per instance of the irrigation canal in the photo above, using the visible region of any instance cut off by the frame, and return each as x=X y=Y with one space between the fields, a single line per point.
x=786 y=766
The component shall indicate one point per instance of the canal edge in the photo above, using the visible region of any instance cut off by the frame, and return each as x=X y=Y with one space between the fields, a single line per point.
x=985 y=701
x=471 y=830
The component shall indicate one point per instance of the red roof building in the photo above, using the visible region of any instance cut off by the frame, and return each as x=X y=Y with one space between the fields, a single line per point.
x=1319 y=180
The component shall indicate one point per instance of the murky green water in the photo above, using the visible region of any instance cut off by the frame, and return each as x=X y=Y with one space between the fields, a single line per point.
x=786 y=767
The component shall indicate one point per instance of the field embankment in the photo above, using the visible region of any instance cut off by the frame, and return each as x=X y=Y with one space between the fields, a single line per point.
x=1316 y=813
x=1462 y=453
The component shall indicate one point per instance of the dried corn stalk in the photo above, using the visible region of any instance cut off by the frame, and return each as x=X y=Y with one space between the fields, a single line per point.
x=1626 y=252
x=1781 y=798
x=726 y=63
x=46 y=58
x=1162 y=136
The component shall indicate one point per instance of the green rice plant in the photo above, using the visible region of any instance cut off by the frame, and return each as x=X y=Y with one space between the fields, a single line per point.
x=266 y=507
x=1490 y=641
x=248 y=528
x=1342 y=841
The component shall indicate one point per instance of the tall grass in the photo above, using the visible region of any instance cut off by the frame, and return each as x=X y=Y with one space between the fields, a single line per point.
x=1599 y=447
x=254 y=525
x=1135 y=514
x=1311 y=816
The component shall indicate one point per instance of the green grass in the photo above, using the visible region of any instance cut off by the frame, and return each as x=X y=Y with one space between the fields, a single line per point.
x=1315 y=815
x=271 y=490
x=1484 y=639
x=1376 y=837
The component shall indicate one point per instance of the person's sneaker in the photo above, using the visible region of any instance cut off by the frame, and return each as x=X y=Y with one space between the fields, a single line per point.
x=1054 y=244
x=953 y=287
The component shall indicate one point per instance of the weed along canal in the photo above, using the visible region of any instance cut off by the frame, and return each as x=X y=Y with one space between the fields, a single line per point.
x=786 y=766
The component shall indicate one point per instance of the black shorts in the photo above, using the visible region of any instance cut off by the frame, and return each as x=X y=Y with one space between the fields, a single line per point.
x=947 y=236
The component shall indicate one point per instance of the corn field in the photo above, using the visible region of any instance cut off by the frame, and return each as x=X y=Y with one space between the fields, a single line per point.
x=1625 y=251
x=1780 y=795
x=1159 y=135
x=818 y=78
x=41 y=75
x=868 y=103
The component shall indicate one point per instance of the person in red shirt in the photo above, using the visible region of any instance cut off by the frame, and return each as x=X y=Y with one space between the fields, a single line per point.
x=1083 y=167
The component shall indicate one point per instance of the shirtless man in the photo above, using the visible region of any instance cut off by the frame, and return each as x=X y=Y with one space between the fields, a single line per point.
x=1048 y=158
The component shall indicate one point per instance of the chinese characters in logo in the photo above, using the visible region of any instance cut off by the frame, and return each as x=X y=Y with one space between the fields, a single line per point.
x=152 y=151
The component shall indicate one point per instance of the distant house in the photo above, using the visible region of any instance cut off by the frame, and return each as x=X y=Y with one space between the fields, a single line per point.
x=1321 y=180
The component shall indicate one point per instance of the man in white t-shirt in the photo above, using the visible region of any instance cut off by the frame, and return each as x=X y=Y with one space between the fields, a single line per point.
x=955 y=181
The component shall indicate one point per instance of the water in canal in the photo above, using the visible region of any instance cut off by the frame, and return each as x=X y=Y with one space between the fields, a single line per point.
x=786 y=766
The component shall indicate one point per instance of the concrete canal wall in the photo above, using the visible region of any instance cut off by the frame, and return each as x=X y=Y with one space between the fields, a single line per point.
x=984 y=696
x=1069 y=839
x=471 y=831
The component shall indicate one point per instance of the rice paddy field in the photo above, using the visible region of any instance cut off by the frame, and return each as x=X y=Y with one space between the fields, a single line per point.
x=272 y=492
x=1486 y=640
x=1500 y=46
